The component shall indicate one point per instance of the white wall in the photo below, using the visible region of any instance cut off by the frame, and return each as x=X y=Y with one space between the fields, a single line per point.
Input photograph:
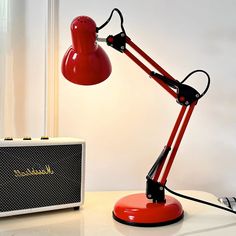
x=127 y=119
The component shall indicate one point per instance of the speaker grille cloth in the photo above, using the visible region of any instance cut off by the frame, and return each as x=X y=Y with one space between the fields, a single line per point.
x=61 y=187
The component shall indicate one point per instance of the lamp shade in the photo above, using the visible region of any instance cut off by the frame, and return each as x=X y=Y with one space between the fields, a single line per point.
x=85 y=62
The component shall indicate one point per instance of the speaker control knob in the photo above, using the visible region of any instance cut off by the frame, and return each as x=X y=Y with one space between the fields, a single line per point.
x=8 y=138
x=27 y=138
x=44 y=138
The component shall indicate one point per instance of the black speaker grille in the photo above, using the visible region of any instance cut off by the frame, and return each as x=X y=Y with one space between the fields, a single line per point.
x=60 y=185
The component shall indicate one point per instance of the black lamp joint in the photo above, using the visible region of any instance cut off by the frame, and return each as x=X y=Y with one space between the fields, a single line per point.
x=155 y=191
x=117 y=42
x=186 y=94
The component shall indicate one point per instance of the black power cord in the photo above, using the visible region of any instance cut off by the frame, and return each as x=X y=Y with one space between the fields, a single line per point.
x=108 y=20
x=199 y=200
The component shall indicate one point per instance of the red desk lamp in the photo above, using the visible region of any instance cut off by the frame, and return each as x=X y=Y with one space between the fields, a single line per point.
x=86 y=63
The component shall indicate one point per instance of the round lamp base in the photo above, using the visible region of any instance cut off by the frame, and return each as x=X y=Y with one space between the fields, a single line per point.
x=137 y=210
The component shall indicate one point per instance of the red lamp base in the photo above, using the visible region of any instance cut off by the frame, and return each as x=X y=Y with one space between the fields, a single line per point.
x=137 y=210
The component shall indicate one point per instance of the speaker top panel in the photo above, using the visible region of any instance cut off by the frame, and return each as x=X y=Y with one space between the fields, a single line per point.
x=44 y=140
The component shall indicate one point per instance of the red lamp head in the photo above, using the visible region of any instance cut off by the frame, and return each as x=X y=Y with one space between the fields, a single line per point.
x=85 y=62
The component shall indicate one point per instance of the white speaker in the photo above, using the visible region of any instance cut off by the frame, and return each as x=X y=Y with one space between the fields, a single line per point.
x=41 y=174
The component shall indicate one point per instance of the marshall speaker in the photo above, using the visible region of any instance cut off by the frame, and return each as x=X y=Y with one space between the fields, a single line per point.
x=41 y=174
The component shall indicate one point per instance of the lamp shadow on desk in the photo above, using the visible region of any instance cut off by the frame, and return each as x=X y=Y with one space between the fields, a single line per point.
x=180 y=228
x=166 y=230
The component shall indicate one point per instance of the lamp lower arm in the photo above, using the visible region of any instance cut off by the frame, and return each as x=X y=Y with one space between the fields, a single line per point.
x=160 y=160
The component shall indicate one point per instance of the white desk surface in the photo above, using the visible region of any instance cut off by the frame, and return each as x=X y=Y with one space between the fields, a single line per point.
x=95 y=218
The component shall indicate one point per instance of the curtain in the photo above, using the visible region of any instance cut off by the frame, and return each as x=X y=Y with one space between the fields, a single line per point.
x=6 y=101
x=23 y=72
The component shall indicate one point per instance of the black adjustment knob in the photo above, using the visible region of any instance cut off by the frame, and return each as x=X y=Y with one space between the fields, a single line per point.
x=27 y=138
x=44 y=138
x=8 y=138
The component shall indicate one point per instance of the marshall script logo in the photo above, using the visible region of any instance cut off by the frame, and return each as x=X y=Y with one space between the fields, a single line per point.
x=32 y=172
